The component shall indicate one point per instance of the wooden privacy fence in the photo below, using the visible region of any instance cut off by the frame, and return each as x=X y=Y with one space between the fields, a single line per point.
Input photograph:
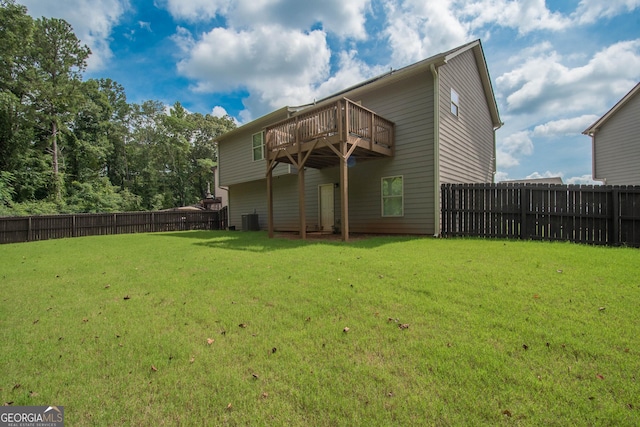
x=44 y=227
x=599 y=215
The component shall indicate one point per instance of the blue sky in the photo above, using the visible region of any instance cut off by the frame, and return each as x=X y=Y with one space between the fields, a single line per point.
x=556 y=66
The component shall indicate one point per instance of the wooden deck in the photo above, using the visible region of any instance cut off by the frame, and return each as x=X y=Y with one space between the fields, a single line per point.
x=324 y=136
x=320 y=137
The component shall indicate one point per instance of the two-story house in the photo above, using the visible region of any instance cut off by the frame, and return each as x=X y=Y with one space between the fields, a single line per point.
x=371 y=158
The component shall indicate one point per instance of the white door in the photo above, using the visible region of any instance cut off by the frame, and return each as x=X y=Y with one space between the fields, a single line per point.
x=326 y=207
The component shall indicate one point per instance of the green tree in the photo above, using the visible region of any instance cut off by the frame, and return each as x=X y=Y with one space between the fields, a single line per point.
x=204 y=152
x=115 y=114
x=16 y=28
x=60 y=136
x=145 y=164
x=58 y=60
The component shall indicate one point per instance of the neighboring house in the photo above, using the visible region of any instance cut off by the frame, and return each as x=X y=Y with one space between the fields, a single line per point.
x=371 y=158
x=615 y=142
x=549 y=180
x=219 y=192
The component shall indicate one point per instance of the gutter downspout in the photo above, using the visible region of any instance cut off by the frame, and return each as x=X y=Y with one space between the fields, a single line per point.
x=436 y=151
x=495 y=158
x=593 y=155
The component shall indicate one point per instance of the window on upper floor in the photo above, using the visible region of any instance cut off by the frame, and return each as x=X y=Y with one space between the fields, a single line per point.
x=455 y=102
x=258 y=146
x=392 y=196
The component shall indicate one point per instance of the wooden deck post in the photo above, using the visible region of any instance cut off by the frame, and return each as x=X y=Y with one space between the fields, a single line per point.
x=301 y=207
x=270 y=201
x=344 y=195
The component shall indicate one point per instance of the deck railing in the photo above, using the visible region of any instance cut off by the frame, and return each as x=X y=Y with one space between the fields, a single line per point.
x=331 y=121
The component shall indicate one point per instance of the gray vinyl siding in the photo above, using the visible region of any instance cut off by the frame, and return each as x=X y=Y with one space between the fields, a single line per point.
x=236 y=159
x=409 y=104
x=617 y=146
x=466 y=141
x=251 y=197
x=247 y=198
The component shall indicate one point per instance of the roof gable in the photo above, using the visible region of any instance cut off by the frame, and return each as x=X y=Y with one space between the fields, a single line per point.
x=420 y=66
x=619 y=105
x=393 y=75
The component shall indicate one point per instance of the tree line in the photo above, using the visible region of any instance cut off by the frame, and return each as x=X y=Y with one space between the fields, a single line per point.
x=70 y=145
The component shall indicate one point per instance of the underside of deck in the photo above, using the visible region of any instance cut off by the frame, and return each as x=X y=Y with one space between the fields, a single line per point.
x=329 y=135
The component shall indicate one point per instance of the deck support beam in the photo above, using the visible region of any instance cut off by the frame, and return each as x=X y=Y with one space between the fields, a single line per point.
x=270 y=166
x=345 y=128
x=301 y=206
x=344 y=195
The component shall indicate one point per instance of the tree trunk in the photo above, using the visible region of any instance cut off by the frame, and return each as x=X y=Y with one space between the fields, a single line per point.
x=54 y=149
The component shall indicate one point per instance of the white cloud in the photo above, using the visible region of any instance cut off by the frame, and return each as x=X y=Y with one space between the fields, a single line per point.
x=564 y=127
x=524 y=16
x=544 y=83
x=350 y=72
x=501 y=176
x=505 y=159
x=145 y=25
x=195 y=10
x=590 y=11
x=343 y=18
x=219 y=111
x=547 y=174
x=574 y=180
x=92 y=22
x=276 y=65
x=582 y=180
x=417 y=29
x=511 y=148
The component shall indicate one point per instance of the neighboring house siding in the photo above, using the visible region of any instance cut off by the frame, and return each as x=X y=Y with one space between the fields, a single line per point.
x=466 y=141
x=617 y=146
x=219 y=191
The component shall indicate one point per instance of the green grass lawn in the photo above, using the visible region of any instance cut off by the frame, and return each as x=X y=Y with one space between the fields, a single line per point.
x=210 y=328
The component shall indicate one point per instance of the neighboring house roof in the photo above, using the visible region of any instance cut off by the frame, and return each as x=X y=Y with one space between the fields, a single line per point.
x=602 y=120
x=550 y=180
x=393 y=75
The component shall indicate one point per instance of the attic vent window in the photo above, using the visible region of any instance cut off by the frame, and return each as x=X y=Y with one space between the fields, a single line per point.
x=258 y=146
x=455 y=102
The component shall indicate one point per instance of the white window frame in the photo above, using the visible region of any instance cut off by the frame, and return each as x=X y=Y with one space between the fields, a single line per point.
x=383 y=197
x=455 y=103
x=254 y=147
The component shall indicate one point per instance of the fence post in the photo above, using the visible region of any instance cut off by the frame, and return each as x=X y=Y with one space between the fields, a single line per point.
x=524 y=197
x=73 y=226
x=615 y=198
x=29 y=231
x=443 y=207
